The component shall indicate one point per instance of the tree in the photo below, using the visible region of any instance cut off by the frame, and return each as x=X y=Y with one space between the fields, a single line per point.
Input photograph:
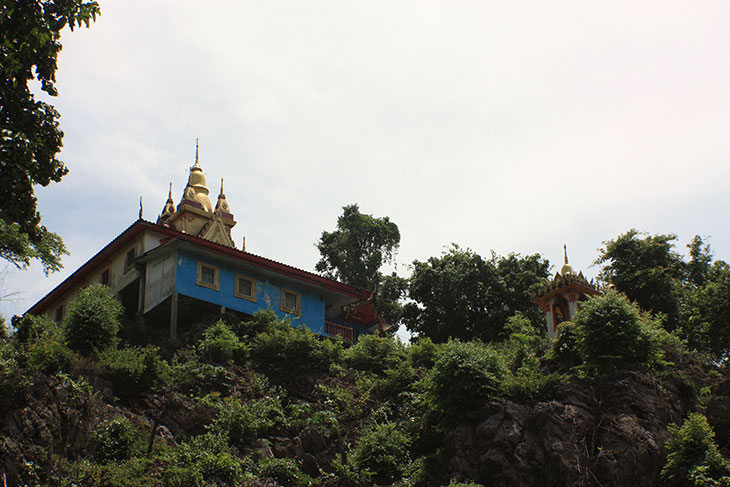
x=647 y=270
x=705 y=312
x=93 y=320
x=462 y=295
x=31 y=137
x=612 y=333
x=355 y=251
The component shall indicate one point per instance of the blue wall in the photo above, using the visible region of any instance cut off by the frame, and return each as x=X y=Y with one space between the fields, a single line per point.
x=268 y=292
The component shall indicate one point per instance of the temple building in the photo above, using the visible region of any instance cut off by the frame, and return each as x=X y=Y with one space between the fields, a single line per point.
x=561 y=297
x=171 y=273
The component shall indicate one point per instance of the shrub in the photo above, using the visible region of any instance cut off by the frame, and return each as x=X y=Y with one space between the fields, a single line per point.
x=115 y=439
x=29 y=327
x=612 y=333
x=565 y=345
x=263 y=321
x=423 y=352
x=92 y=322
x=133 y=369
x=176 y=476
x=285 y=471
x=383 y=451
x=692 y=454
x=463 y=376
x=208 y=454
x=244 y=422
x=189 y=375
x=45 y=347
x=49 y=353
x=289 y=352
x=220 y=345
x=399 y=378
x=374 y=353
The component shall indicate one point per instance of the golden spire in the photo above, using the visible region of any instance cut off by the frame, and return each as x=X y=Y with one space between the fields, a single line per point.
x=567 y=269
x=196 y=189
x=169 y=208
x=140 y=208
x=222 y=204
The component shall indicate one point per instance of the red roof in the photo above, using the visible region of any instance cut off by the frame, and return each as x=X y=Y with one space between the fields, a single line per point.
x=137 y=227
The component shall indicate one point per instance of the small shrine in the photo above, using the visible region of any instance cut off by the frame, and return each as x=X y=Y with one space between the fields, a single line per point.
x=561 y=297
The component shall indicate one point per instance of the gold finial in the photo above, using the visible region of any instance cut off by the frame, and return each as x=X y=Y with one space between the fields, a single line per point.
x=197 y=163
x=140 y=207
x=169 y=194
x=222 y=204
x=567 y=269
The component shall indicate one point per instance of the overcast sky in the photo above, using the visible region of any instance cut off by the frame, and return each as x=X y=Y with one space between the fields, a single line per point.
x=505 y=126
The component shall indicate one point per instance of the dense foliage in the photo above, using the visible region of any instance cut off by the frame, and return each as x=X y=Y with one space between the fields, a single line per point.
x=463 y=295
x=29 y=41
x=257 y=401
x=93 y=320
x=355 y=251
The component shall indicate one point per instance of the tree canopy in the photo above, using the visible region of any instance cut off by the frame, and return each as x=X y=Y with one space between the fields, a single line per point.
x=648 y=270
x=354 y=252
x=463 y=295
x=31 y=137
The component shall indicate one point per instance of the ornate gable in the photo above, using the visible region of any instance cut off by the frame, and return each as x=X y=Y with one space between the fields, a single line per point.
x=217 y=231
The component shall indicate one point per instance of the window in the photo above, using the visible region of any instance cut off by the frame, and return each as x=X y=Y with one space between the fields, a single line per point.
x=245 y=288
x=59 y=314
x=106 y=277
x=129 y=258
x=291 y=302
x=208 y=276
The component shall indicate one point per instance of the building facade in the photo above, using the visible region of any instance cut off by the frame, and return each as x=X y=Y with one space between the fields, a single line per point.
x=185 y=265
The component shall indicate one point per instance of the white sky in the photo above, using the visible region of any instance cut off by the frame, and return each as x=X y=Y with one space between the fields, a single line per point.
x=505 y=126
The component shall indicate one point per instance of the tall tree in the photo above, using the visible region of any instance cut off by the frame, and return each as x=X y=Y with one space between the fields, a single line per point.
x=463 y=295
x=705 y=301
x=31 y=137
x=355 y=251
x=646 y=269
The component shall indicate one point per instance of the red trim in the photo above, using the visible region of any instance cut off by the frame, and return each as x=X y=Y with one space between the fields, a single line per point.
x=137 y=227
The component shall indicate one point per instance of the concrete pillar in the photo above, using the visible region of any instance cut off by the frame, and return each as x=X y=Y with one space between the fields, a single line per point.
x=173 y=316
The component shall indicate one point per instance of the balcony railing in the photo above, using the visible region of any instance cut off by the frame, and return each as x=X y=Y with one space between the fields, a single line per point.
x=334 y=330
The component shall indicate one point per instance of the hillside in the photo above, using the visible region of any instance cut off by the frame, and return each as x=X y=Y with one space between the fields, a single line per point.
x=261 y=403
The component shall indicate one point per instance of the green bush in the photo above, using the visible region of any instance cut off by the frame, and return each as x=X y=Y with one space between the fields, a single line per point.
x=92 y=321
x=245 y=422
x=374 y=353
x=29 y=327
x=463 y=376
x=263 y=321
x=285 y=471
x=301 y=415
x=692 y=454
x=612 y=333
x=176 y=476
x=134 y=369
x=565 y=345
x=49 y=354
x=423 y=352
x=290 y=352
x=45 y=347
x=399 y=378
x=209 y=455
x=115 y=439
x=220 y=345
x=382 y=451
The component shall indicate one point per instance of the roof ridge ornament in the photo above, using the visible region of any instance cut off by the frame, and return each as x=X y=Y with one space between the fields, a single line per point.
x=197 y=161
